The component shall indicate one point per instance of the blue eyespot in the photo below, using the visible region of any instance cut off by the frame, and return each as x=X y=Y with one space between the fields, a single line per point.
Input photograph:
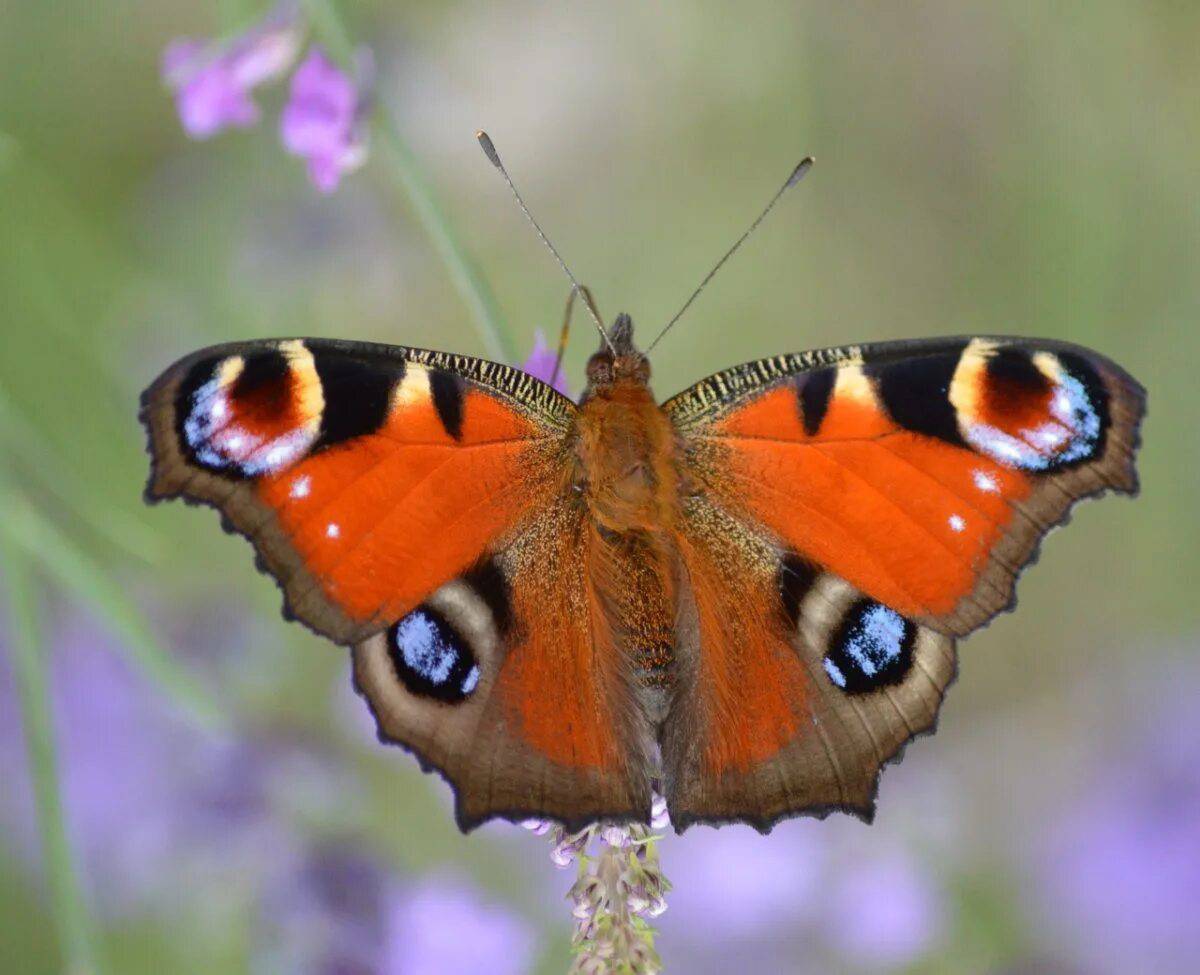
x=872 y=648
x=431 y=658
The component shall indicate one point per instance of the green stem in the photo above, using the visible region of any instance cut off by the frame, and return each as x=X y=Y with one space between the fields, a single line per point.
x=330 y=26
x=75 y=931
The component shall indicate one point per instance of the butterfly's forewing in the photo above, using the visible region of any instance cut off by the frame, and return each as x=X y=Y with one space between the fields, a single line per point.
x=410 y=503
x=365 y=475
x=881 y=500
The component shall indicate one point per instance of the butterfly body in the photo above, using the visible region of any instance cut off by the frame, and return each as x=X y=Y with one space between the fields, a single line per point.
x=746 y=597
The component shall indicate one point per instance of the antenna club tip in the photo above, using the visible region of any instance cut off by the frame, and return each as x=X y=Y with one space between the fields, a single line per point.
x=489 y=149
x=802 y=167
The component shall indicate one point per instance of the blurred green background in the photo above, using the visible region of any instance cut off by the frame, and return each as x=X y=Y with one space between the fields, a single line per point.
x=1010 y=167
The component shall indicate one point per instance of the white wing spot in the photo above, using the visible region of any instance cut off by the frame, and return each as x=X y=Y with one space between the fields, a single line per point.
x=332 y=530
x=957 y=523
x=985 y=482
x=301 y=486
x=835 y=675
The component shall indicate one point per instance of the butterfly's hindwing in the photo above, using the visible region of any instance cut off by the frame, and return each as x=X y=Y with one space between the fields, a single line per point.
x=794 y=687
x=507 y=681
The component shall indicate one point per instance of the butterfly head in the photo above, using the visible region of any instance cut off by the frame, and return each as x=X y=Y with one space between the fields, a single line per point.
x=618 y=360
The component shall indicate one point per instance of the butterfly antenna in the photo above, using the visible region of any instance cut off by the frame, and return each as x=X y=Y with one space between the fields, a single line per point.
x=797 y=174
x=489 y=150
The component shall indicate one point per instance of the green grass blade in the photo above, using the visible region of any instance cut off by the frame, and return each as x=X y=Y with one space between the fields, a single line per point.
x=74 y=924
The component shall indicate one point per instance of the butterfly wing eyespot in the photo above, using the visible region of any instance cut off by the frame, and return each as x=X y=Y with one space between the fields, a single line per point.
x=248 y=414
x=898 y=489
x=431 y=658
x=872 y=647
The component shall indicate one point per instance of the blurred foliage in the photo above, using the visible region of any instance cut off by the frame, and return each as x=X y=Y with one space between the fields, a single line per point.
x=1011 y=167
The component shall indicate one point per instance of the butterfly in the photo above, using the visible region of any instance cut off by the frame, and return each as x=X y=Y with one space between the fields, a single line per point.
x=746 y=597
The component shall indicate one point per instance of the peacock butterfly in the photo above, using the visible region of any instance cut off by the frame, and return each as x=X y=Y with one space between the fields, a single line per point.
x=746 y=596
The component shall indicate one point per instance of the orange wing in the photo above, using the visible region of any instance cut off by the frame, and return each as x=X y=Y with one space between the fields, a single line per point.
x=412 y=504
x=851 y=512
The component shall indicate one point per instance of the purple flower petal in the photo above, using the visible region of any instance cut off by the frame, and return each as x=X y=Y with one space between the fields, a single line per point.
x=325 y=915
x=320 y=107
x=148 y=799
x=885 y=913
x=265 y=53
x=734 y=886
x=540 y=364
x=325 y=172
x=443 y=925
x=1120 y=872
x=322 y=121
x=212 y=83
x=211 y=102
x=178 y=57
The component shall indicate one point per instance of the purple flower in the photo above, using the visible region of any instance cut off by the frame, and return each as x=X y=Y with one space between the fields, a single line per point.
x=734 y=884
x=212 y=82
x=540 y=364
x=1120 y=873
x=883 y=912
x=809 y=890
x=160 y=815
x=443 y=925
x=326 y=916
x=341 y=910
x=323 y=121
